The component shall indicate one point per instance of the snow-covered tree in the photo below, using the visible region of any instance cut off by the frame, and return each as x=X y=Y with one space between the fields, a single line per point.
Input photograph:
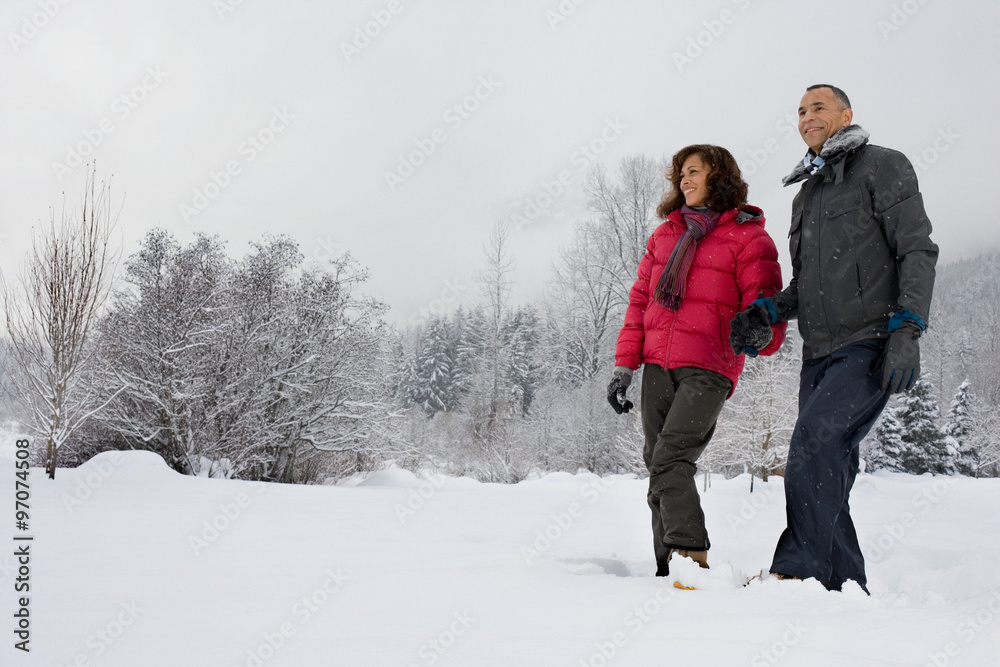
x=886 y=451
x=956 y=431
x=467 y=331
x=432 y=386
x=521 y=339
x=491 y=404
x=925 y=448
x=7 y=369
x=320 y=381
x=593 y=275
x=984 y=436
x=50 y=318
x=157 y=341
x=625 y=216
x=583 y=312
x=756 y=423
x=255 y=368
x=569 y=429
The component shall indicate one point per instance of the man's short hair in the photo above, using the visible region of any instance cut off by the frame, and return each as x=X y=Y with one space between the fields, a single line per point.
x=837 y=92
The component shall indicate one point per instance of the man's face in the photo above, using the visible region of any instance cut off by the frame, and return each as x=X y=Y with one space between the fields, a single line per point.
x=820 y=116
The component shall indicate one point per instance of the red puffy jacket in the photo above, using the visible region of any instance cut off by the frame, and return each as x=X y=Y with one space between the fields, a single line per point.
x=733 y=264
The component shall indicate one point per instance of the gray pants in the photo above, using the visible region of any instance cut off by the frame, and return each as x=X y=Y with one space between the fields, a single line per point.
x=680 y=408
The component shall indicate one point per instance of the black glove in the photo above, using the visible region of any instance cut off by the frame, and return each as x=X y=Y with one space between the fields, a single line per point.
x=750 y=331
x=899 y=364
x=616 y=391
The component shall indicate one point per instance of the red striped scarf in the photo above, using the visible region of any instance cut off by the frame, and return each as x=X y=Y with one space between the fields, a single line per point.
x=673 y=282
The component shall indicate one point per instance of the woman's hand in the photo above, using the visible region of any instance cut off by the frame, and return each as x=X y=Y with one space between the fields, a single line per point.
x=617 y=387
x=750 y=331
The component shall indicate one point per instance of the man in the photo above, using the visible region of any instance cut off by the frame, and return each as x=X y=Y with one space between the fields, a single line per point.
x=862 y=276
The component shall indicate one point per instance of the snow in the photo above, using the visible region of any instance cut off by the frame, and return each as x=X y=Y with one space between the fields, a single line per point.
x=133 y=564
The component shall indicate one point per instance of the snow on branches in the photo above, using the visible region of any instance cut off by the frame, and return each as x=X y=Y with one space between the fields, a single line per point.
x=260 y=361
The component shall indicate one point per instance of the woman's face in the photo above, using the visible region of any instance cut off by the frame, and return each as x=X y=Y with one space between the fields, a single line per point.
x=694 y=181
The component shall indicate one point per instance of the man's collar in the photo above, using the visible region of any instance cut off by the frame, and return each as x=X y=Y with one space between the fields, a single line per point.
x=833 y=150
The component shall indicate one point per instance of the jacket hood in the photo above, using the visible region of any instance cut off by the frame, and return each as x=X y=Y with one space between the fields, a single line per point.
x=834 y=150
x=750 y=214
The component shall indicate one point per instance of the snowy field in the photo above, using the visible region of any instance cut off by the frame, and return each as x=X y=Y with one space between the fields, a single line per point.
x=135 y=565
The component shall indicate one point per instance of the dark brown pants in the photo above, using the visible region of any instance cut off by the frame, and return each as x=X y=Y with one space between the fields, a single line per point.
x=680 y=408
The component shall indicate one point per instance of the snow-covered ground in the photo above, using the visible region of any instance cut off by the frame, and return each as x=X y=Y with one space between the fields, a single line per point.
x=135 y=565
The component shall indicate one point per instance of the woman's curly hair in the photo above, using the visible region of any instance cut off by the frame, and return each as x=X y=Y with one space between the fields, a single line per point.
x=726 y=187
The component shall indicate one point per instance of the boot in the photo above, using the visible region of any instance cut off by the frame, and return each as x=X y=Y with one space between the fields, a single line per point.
x=700 y=557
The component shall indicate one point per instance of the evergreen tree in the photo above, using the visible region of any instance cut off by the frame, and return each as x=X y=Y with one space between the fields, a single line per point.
x=925 y=447
x=521 y=338
x=441 y=364
x=886 y=452
x=956 y=431
x=465 y=335
x=398 y=364
x=431 y=385
x=407 y=389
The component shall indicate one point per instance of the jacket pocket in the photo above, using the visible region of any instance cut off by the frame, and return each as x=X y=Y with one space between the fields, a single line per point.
x=843 y=203
x=796 y=223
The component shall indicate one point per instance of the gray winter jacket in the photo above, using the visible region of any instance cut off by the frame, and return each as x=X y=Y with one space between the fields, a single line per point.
x=860 y=244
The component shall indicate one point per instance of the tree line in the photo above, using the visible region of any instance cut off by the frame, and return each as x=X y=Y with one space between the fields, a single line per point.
x=268 y=367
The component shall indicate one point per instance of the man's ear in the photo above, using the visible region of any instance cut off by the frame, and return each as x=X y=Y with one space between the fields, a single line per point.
x=848 y=116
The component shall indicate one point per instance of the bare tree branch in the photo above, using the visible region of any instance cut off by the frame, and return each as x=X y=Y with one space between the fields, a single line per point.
x=51 y=313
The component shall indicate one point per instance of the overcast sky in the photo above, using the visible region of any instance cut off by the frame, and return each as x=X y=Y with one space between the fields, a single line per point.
x=401 y=130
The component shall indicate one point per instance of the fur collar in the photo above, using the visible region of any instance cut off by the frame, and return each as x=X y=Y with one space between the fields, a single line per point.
x=836 y=148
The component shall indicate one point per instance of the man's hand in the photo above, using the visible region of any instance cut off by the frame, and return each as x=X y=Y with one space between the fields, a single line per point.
x=899 y=363
x=750 y=331
x=616 y=390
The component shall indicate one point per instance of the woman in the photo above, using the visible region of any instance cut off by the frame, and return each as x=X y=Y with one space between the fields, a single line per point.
x=708 y=261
